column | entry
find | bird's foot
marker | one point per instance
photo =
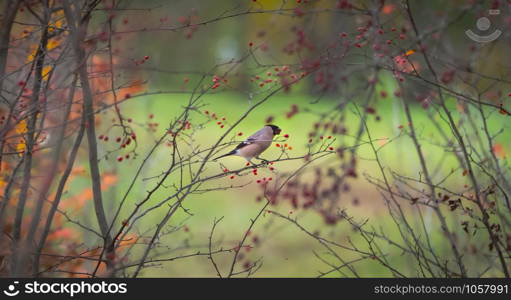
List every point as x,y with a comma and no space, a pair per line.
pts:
264,161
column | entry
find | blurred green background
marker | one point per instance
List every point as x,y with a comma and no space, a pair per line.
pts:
178,59
286,250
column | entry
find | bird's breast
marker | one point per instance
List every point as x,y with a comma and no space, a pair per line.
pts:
254,149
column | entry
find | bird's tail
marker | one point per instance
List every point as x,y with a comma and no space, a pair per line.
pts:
227,154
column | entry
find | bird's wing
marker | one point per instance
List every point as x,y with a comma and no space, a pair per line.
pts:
253,138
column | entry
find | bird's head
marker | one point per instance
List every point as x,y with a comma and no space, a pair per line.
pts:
276,130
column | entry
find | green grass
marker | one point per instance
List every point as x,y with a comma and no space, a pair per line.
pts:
286,250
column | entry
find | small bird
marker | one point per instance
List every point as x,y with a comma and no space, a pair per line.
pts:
255,144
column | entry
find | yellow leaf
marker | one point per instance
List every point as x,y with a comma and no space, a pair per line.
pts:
52,44
20,147
409,52
57,21
46,71
31,56
21,127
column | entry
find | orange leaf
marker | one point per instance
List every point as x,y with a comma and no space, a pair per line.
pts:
388,9
130,239
499,150
63,233
107,180
79,200
409,52
21,127
2,186
384,140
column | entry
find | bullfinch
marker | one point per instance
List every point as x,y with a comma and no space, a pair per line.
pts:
255,144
